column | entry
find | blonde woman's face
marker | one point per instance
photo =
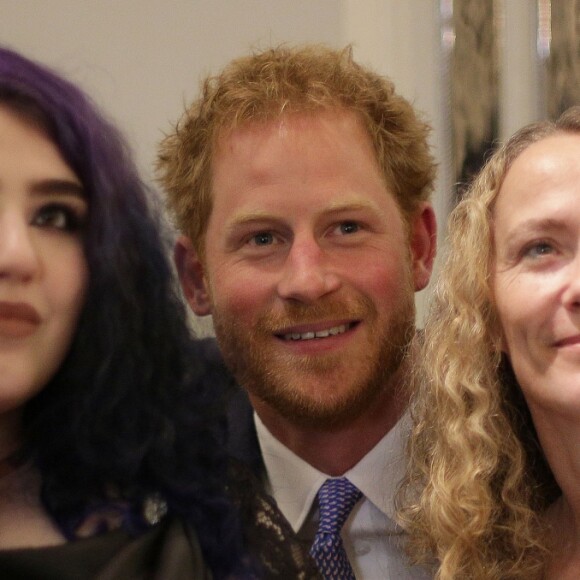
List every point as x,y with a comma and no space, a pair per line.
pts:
537,272
43,271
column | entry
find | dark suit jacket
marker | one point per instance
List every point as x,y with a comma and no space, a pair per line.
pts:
286,557
241,437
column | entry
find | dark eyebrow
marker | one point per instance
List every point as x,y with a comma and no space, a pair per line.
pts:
58,187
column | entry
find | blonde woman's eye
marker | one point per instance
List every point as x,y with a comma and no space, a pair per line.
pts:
539,249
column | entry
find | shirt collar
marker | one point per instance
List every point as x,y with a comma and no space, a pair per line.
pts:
379,473
294,483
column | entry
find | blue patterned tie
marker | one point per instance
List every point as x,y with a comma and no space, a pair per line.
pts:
336,498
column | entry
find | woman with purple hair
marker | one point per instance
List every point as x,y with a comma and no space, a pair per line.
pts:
110,457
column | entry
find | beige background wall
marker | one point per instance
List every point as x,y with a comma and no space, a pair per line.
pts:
142,59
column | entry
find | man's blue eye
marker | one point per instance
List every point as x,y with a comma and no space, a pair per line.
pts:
349,227
263,239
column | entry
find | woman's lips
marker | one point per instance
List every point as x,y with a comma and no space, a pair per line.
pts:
18,319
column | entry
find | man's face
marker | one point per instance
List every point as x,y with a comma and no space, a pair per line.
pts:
309,270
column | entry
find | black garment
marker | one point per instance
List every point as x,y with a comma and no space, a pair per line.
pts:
271,543
168,551
268,536
242,439
241,436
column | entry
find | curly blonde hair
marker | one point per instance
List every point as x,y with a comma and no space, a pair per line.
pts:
278,81
478,481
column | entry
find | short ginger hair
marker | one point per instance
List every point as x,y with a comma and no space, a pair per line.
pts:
277,81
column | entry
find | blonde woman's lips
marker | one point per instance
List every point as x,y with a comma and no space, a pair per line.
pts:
18,319
572,340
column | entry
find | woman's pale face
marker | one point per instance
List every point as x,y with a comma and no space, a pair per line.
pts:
43,272
537,272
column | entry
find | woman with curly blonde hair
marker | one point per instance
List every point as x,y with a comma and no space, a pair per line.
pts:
492,490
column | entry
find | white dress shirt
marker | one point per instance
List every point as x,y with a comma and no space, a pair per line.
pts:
371,538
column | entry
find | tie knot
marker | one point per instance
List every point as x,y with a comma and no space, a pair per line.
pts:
336,498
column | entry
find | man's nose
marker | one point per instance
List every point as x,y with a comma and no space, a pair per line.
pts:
308,273
18,252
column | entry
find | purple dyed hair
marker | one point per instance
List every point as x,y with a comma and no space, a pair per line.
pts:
130,406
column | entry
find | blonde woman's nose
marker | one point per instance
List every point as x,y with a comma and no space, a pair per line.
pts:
571,294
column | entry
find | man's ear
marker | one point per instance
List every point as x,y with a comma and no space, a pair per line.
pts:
192,276
423,240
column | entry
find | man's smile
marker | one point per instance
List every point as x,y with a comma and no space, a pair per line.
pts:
322,333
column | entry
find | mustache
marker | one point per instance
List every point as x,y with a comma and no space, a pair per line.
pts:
296,313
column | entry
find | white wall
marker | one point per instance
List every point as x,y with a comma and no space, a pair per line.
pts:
402,39
142,59
521,98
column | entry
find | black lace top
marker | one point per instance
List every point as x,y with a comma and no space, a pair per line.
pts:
268,536
169,549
